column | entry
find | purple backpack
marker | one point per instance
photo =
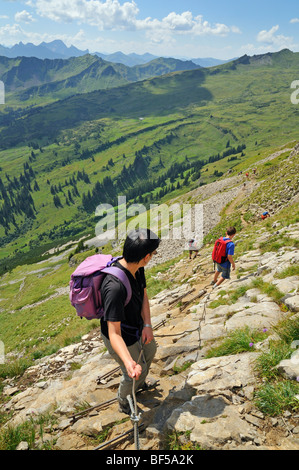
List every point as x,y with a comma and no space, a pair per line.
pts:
86,281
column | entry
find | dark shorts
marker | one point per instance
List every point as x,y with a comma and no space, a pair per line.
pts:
225,272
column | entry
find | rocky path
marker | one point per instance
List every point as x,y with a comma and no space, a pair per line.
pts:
205,401
214,197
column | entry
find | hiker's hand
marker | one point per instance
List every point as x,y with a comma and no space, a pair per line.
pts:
134,370
147,335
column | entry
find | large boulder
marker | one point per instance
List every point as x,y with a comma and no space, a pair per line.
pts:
212,422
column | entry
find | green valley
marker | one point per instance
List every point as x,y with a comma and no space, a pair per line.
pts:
151,140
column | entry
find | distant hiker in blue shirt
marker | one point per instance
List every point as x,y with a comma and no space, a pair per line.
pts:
265,215
224,267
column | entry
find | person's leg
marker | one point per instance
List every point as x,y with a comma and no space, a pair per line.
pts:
217,272
149,351
219,282
125,378
225,274
145,360
126,383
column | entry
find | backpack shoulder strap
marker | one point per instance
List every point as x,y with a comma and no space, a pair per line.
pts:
121,275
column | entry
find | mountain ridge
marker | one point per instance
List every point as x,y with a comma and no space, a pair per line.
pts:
53,50
113,98
23,73
58,50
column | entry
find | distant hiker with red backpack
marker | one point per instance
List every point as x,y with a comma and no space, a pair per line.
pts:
126,328
265,215
222,255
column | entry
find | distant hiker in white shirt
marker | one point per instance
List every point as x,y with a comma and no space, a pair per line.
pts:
192,245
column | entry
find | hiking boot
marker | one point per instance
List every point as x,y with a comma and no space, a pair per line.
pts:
124,408
213,283
148,384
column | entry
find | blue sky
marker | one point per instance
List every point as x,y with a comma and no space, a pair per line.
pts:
180,28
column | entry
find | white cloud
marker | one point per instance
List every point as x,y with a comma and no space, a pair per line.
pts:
203,28
272,39
111,15
267,36
106,15
9,34
183,22
252,49
23,16
236,30
114,15
294,20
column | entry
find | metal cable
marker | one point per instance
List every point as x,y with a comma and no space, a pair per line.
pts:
176,334
203,317
122,437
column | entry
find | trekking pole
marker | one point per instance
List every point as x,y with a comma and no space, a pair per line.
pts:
134,417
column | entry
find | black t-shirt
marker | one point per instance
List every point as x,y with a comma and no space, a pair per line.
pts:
114,295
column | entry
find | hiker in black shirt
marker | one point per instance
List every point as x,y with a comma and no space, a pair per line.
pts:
114,295
126,328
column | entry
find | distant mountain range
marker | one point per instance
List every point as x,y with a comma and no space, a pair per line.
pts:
52,50
29,80
58,50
